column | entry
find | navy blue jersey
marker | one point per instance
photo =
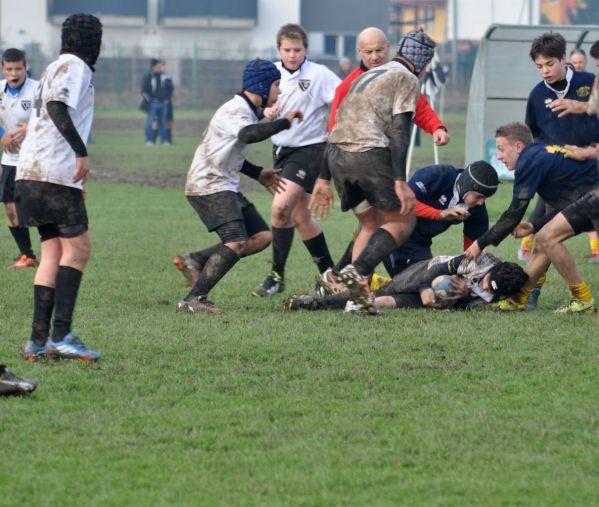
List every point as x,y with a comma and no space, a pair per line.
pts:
435,186
576,129
544,169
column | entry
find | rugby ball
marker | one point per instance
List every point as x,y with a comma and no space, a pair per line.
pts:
442,287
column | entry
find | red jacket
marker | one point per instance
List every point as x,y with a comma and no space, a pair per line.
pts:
425,117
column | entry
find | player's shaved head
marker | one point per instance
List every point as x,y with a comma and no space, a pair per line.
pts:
372,35
373,47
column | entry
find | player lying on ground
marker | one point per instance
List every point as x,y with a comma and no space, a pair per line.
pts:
475,283
445,196
212,186
568,186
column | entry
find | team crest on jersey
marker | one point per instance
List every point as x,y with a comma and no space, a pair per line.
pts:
25,104
443,200
304,84
583,91
548,102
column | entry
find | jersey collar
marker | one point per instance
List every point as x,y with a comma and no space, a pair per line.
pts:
296,70
562,93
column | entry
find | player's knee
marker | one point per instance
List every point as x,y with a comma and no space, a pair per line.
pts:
237,246
280,215
263,239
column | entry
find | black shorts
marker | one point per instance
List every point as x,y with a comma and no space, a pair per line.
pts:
300,165
229,209
363,176
583,214
7,183
41,203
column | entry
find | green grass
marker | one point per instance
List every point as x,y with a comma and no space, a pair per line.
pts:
262,407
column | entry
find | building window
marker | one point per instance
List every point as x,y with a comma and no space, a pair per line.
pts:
349,46
330,45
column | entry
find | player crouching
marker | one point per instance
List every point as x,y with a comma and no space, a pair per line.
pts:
212,186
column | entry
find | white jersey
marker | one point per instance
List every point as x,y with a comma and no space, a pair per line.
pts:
45,154
220,156
15,109
310,89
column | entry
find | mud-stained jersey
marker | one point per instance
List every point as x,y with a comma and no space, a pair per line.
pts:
366,113
311,89
15,109
220,156
45,153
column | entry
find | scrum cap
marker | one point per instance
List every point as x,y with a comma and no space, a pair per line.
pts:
258,76
417,47
478,177
82,36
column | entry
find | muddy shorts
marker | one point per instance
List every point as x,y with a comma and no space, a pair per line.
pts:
300,165
360,176
7,183
229,214
583,214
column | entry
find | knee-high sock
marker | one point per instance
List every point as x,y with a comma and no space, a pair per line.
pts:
379,246
319,250
202,256
68,280
23,240
43,306
345,258
282,239
217,266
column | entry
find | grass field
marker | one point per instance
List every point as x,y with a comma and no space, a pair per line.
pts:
262,407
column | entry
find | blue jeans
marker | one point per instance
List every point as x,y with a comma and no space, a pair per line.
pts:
158,111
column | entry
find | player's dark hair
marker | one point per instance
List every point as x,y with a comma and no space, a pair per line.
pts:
507,278
14,55
515,131
550,44
595,50
292,31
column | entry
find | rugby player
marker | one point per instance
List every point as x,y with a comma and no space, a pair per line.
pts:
52,168
212,186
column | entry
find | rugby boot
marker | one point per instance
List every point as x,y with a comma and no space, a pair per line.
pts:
10,384
577,306
358,286
272,284
24,262
70,347
533,298
199,304
189,268
328,283
33,352
356,309
593,258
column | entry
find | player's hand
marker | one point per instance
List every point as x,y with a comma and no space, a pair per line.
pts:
455,213
461,289
522,230
440,137
295,114
406,196
427,296
19,134
567,106
580,154
81,169
272,180
272,113
9,144
473,251
322,199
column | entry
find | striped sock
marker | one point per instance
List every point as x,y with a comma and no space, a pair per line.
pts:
522,297
541,281
527,243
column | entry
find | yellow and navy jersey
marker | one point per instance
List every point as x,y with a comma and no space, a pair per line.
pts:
546,170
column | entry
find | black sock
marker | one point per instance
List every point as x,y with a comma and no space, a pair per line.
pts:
317,246
154,135
202,256
169,135
379,246
43,305
345,258
217,266
68,280
23,241
282,239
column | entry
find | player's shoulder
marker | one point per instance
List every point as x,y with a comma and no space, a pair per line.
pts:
318,70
